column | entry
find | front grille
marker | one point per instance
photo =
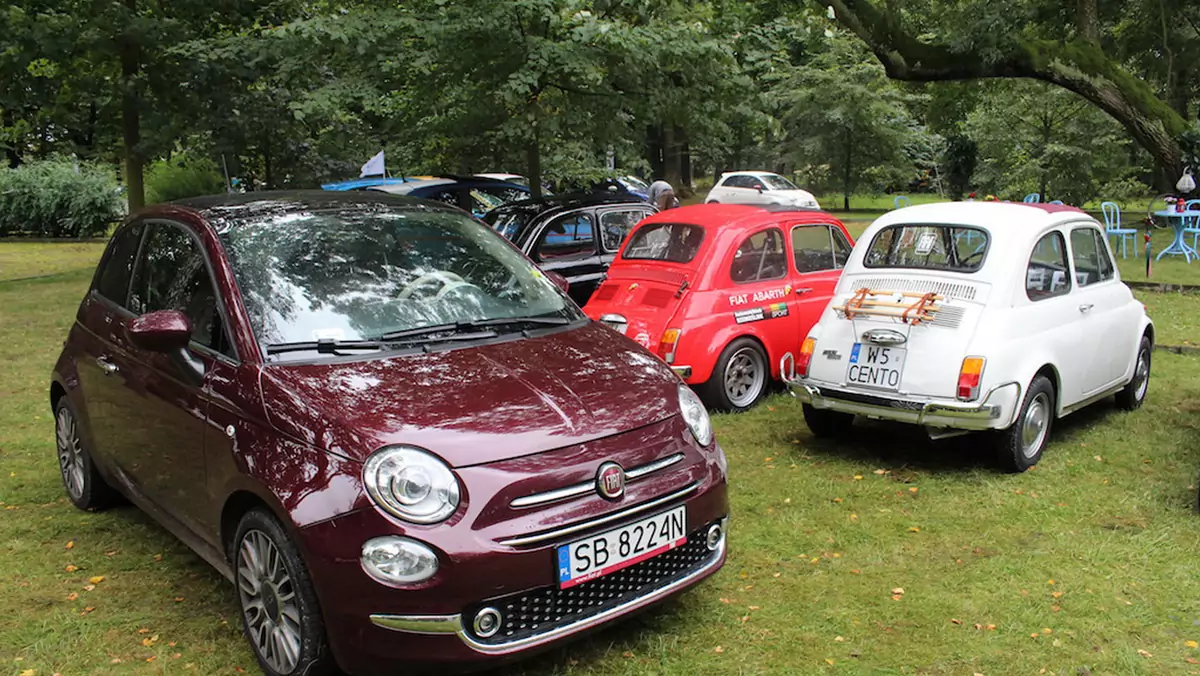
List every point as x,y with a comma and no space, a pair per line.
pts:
917,285
537,611
873,401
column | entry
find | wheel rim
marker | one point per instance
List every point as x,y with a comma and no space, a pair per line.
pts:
269,602
745,374
1034,424
1142,375
70,453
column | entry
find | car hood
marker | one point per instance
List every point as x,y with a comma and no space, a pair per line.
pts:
477,404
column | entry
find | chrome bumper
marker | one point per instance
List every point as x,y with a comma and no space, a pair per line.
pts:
996,412
684,372
454,624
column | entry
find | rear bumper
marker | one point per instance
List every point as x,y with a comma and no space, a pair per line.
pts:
996,411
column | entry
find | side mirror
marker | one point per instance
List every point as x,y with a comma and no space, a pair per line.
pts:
559,281
162,331
759,189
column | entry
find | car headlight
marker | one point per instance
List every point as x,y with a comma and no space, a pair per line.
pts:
398,560
695,415
411,484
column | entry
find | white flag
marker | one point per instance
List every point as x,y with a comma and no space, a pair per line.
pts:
373,167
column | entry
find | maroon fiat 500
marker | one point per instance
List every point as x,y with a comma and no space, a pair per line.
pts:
398,438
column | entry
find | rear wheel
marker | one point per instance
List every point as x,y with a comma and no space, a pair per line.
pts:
1132,396
827,424
740,377
85,487
1021,445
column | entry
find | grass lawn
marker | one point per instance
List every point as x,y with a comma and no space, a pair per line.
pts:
1085,564
20,259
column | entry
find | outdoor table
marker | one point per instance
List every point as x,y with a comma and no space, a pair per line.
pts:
1178,220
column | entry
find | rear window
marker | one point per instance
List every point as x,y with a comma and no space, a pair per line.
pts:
956,248
674,242
506,222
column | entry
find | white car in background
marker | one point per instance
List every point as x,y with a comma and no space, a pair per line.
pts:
975,316
759,187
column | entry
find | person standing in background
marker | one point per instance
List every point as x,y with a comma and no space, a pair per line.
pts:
662,195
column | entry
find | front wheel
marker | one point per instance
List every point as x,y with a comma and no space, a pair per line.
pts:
280,614
86,489
1021,445
1134,394
740,377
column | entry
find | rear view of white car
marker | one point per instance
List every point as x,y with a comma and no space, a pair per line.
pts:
974,316
759,187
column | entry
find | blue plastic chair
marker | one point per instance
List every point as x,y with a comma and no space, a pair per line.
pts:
1032,198
901,201
1192,226
1112,226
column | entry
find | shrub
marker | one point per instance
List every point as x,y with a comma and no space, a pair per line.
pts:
182,176
57,198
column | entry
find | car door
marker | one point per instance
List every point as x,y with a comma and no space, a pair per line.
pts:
1052,319
165,392
615,225
819,252
1099,300
567,244
761,292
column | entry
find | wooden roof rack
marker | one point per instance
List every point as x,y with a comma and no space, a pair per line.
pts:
912,308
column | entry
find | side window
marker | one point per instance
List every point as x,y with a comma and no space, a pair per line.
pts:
754,183
1087,256
566,237
615,227
448,196
1046,275
736,182
171,275
759,258
818,247
1107,266
117,268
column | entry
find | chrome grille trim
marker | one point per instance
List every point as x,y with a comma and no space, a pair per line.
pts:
585,525
917,285
585,487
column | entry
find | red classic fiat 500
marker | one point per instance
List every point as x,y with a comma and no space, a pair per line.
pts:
400,439
723,293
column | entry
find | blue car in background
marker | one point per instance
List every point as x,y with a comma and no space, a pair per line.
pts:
474,194
364,183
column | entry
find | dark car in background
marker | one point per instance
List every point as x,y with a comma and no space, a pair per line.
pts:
575,235
473,194
397,437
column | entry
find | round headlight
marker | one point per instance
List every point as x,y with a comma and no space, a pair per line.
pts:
411,484
398,560
695,415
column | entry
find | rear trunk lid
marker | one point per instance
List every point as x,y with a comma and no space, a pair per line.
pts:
888,345
639,301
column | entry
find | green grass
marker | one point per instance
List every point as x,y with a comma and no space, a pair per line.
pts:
20,259
816,551
1176,316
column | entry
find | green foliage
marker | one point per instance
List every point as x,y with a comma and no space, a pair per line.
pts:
182,176
54,198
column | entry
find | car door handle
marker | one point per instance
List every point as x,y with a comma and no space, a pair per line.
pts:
803,290
107,366
1085,308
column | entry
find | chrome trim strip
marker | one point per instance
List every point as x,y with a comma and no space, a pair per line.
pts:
585,487
453,624
970,418
585,525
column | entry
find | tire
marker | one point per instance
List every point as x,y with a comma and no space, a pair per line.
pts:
712,202
86,489
1133,395
826,424
1021,445
281,617
739,379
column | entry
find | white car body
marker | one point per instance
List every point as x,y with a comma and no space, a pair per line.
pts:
759,187
508,178
1083,332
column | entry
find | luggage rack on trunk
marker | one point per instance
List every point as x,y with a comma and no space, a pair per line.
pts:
896,305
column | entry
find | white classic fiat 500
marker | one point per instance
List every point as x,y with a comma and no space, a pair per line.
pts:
975,316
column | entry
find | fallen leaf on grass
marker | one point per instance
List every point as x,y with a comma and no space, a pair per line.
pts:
1143,653
837,500
754,607
112,553
990,627
1049,581
150,641
626,654
1057,594
1047,630
718,649
152,658
1098,458
178,599
158,557
858,477
143,630
723,600
71,568
745,618
898,590
912,490
1191,660
1055,609
881,471
954,621
28,672
72,596
70,544
89,587
768,459
829,661
96,580
115,660
839,639
1191,644
914,529
87,610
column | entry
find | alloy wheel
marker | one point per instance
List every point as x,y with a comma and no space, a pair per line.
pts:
269,602
1142,375
70,452
745,375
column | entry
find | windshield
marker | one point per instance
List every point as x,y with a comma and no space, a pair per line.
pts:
956,248
675,242
364,271
507,222
634,183
776,182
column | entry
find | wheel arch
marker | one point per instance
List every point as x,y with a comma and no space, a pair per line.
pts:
1051,373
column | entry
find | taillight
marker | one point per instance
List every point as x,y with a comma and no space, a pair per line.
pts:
666,346
968,378
805,358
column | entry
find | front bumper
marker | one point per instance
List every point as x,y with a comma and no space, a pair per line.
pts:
996,411
684,372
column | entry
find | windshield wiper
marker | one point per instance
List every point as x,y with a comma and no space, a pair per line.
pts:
325,346
473,325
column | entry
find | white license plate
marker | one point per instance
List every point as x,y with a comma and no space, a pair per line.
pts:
619,548
875,366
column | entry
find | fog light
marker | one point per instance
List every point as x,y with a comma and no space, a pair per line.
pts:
396,560
714,537
487,622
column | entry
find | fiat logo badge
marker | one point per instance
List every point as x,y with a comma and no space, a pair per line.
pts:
610,480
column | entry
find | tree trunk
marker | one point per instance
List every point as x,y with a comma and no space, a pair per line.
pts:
11,152
268,167
654,152
1086,20
130,122
672,162
685,188
1078,65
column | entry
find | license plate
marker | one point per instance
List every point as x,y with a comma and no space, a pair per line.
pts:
619,548
876,366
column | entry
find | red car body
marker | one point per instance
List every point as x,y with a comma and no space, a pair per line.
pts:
199,437
692,312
